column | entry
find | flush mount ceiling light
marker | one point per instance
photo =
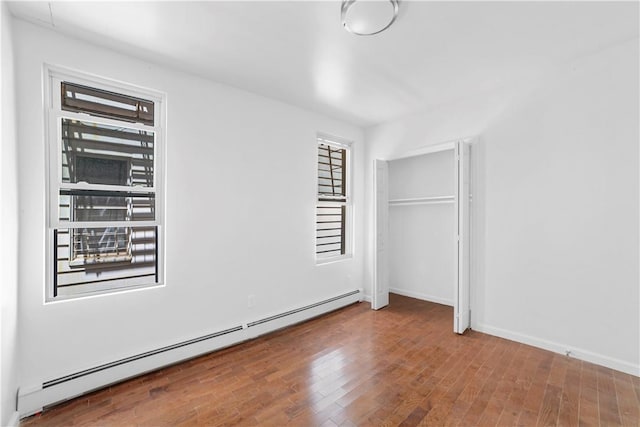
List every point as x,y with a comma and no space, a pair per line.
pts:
368,17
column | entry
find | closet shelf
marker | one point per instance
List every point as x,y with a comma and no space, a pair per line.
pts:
422,201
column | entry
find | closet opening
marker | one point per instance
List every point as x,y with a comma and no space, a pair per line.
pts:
422,228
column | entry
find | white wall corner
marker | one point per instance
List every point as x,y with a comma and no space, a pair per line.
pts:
14,421
577,353
28,401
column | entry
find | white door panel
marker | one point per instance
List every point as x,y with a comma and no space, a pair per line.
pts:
462,315
380,296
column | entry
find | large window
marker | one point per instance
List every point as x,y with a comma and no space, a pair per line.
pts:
333,200
105,185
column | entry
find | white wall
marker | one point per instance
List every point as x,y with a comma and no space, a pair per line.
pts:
422,251
240,215
8,227
556,252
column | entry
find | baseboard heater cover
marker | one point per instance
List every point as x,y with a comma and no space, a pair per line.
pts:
137,357
32,400
298,310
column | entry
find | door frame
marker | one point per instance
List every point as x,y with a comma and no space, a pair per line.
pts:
462,235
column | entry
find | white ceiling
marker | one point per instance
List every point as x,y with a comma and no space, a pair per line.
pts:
435,53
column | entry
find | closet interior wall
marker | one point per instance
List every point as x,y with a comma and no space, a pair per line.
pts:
422,225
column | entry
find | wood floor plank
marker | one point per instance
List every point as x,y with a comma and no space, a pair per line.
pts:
548,414
398,366
480,401
628,406
569,405
607,399
589,412
520,383
505,386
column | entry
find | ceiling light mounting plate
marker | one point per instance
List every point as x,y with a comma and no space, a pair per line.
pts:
368,17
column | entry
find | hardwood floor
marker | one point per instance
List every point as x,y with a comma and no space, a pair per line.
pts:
402,365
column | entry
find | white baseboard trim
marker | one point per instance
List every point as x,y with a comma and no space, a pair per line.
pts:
578,353
33,398
14,421
422,296
367,298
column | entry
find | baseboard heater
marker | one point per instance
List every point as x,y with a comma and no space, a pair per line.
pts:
33,399
66,378
298,310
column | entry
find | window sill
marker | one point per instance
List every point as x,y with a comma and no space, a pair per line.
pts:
334,260
102,293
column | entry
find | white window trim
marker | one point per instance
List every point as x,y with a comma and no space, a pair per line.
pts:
53,76
339,142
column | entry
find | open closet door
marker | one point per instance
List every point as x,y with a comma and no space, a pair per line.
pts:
462,308
380,292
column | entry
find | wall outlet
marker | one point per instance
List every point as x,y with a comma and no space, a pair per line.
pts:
251,301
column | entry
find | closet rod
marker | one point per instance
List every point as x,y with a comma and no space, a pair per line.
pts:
422,201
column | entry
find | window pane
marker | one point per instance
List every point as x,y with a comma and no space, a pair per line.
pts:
101,170
102,154
96,245
98,259
102,103
330,230
94,205
331,171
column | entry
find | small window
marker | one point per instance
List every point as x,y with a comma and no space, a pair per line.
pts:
333,202
105,184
